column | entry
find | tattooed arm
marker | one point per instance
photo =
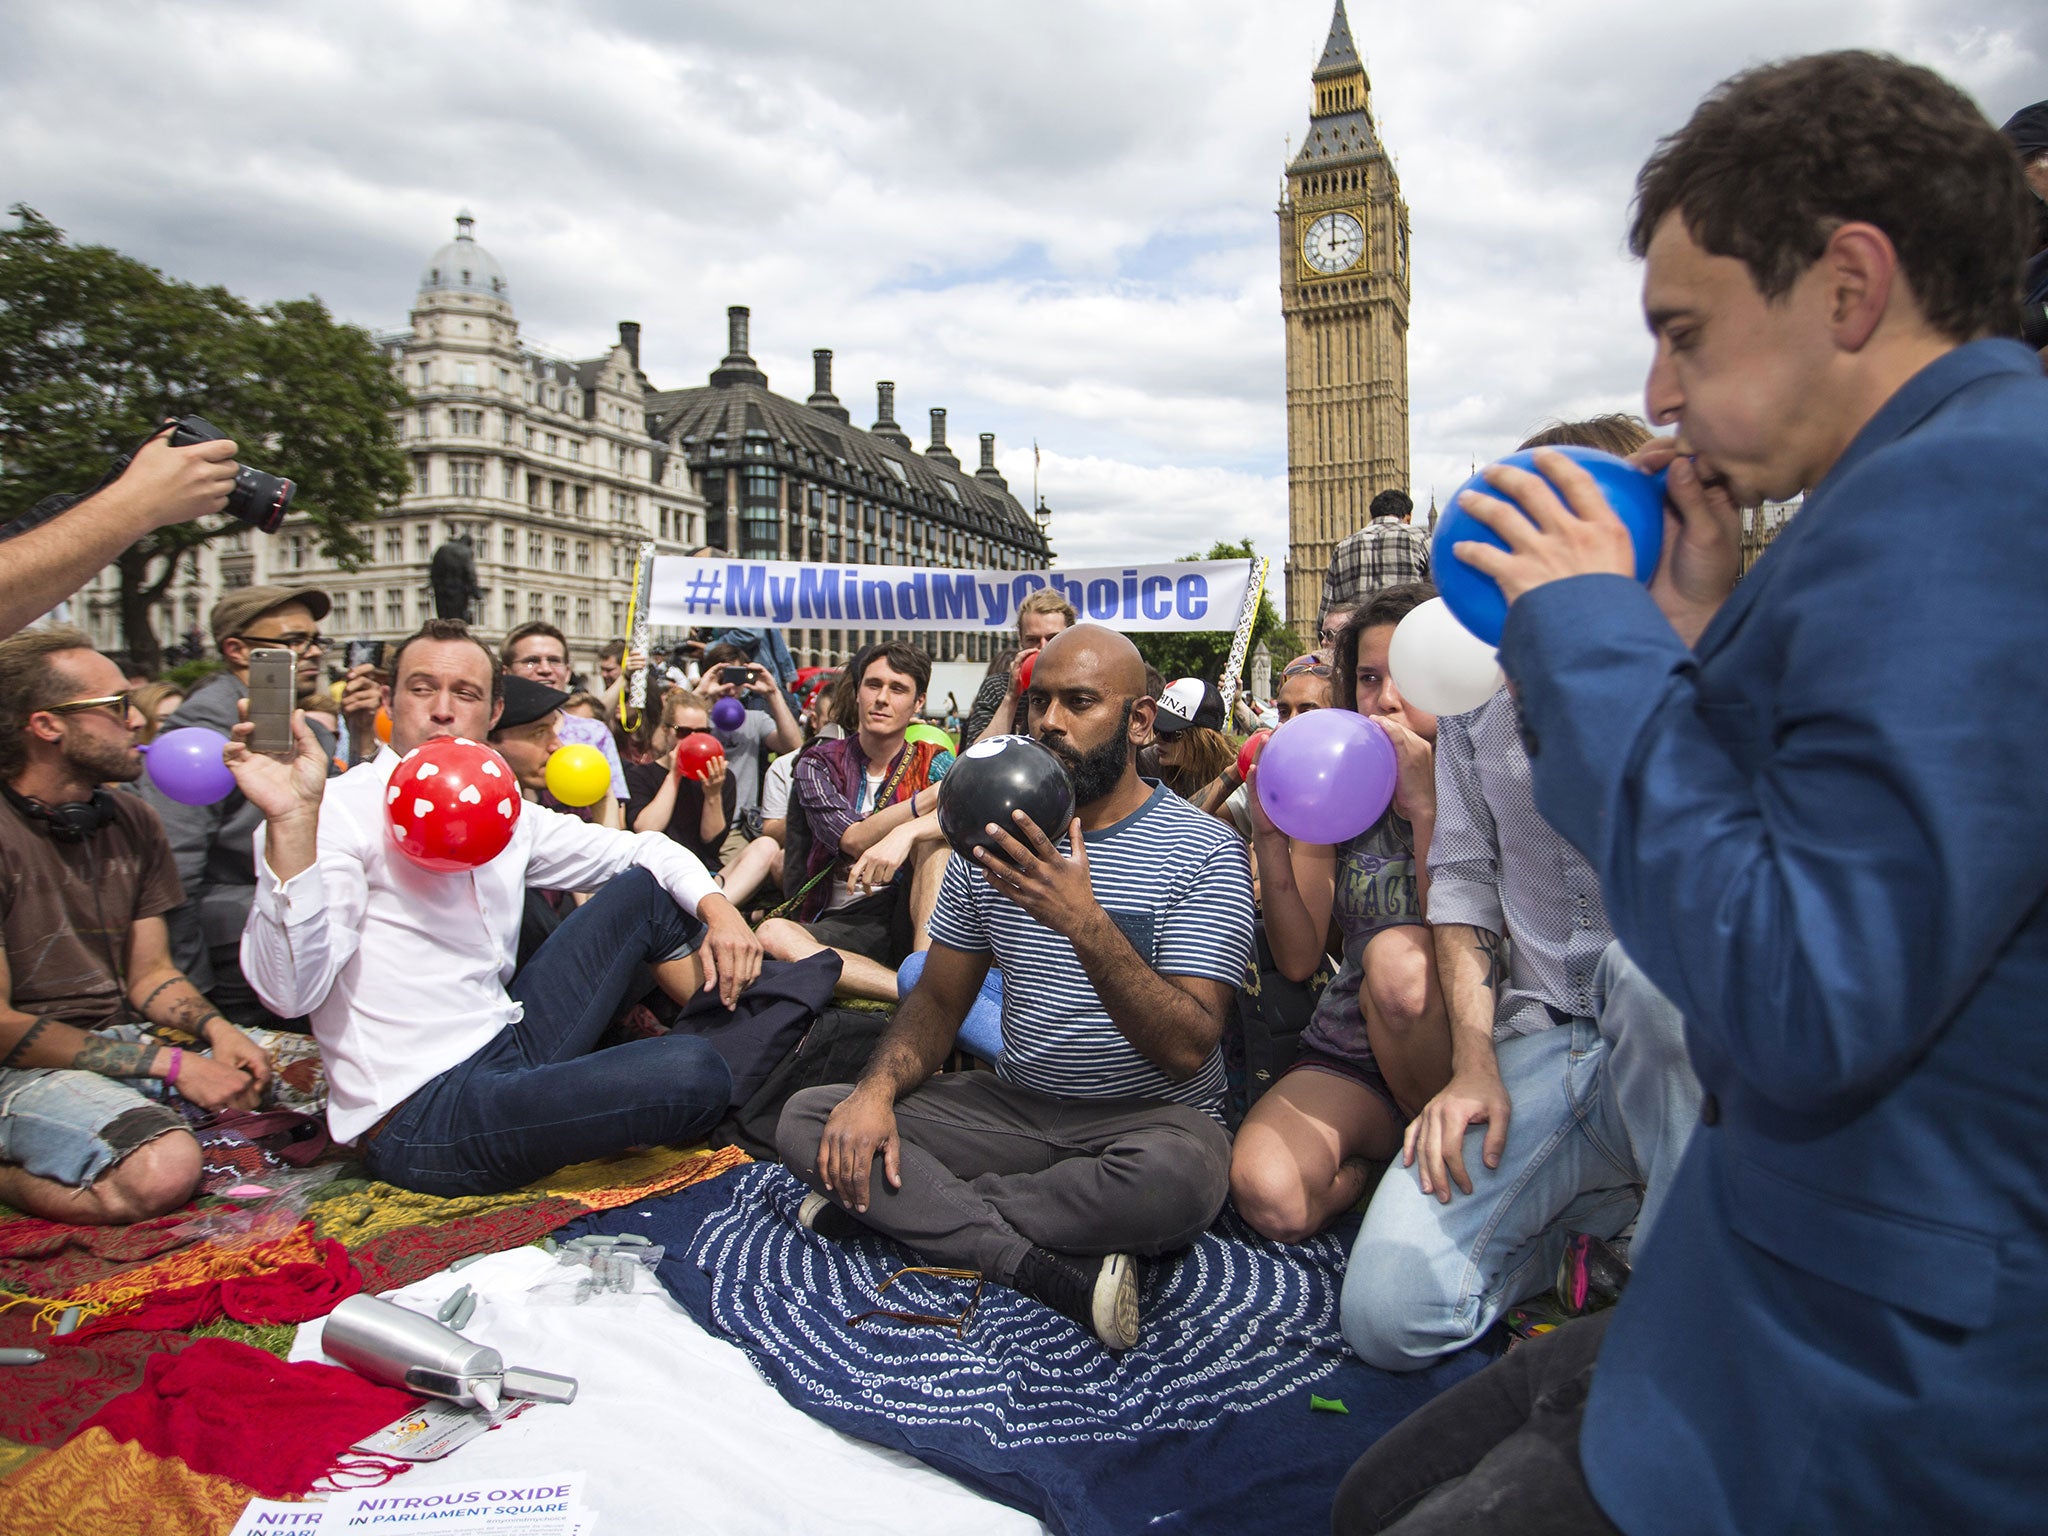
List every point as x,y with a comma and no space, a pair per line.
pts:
1472,964
29,1039
37,1040
239,1070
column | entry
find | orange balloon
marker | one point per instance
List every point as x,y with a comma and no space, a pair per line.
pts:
383,725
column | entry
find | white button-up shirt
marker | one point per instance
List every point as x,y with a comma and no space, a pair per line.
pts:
402,969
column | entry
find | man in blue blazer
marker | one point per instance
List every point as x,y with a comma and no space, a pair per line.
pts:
1815,804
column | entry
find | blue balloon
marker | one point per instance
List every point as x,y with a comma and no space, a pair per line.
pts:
728,713
1474,599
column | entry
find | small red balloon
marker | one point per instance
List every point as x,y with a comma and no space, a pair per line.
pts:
1249,752
1024,670
694,752
452,804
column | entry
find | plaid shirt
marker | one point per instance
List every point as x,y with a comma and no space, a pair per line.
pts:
1384,553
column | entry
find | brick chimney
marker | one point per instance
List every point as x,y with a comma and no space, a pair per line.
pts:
739,366
938,449
988,471
885,415
822,399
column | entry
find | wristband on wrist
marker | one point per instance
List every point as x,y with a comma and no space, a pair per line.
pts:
177,1061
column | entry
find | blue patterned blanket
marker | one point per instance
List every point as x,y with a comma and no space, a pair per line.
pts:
1205,1426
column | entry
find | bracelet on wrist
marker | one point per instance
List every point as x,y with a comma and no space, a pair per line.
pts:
176,1066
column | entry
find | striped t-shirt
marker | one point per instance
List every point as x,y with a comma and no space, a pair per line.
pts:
1178,885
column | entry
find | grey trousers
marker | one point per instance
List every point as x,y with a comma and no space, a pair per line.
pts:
991,1170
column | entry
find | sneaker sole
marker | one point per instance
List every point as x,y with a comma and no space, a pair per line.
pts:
1116,1302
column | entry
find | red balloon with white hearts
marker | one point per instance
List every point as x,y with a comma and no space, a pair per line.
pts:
451,804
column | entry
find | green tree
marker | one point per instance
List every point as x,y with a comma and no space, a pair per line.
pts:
1201,653
96,348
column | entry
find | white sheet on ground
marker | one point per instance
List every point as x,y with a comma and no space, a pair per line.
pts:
670,1421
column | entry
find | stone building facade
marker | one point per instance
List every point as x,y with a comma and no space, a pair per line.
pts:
557,469
1344,300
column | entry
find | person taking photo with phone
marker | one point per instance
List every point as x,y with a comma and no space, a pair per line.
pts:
211,842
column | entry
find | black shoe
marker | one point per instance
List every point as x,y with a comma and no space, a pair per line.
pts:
1590,1275
1099,1294
819,1214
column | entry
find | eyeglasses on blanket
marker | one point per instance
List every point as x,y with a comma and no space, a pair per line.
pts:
926,1319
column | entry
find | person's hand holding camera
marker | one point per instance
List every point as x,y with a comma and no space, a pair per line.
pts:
175,485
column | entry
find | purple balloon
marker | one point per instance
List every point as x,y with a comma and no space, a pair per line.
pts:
186,765
728,714
1327,775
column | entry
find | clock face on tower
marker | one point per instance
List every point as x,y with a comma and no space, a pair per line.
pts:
1333,243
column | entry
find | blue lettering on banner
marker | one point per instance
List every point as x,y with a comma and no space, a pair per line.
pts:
745,590
686,590
910,599
952,596
1153,604
818,594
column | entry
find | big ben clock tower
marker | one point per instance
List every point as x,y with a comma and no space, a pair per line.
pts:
1344,297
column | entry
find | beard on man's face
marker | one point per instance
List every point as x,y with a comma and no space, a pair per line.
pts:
101,759
1096,773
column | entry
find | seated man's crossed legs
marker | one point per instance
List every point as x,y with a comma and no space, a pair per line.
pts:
541,1095
1019,1185
1600,1110
82,1148
1306,1151
873,934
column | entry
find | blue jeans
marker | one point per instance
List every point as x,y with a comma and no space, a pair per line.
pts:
539,1097
1601,1110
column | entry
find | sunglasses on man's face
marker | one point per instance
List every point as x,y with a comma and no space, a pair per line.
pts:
117,702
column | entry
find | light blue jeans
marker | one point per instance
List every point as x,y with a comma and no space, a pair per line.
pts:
1601,1110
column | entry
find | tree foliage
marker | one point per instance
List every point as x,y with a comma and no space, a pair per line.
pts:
1202,653
97,348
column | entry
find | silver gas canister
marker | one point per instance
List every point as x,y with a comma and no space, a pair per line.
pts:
401,1348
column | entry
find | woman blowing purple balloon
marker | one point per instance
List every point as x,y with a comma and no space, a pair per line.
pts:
1379,1045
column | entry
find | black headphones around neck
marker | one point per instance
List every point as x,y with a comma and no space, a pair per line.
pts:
72,822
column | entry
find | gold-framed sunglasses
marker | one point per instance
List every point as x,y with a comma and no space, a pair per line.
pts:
117,702
927,1319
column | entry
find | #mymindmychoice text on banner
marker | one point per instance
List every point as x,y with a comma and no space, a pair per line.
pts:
790,594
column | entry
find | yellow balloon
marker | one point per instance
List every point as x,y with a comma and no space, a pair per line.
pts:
578,775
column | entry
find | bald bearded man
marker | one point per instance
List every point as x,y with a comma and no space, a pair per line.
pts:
1122,939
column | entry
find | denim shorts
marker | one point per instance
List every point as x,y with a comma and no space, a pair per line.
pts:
71,1127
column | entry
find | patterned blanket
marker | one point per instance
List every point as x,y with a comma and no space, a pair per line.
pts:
1209,1424
392,1237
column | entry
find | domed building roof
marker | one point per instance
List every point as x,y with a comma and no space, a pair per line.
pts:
463,266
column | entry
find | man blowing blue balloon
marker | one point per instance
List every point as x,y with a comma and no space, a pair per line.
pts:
1813,800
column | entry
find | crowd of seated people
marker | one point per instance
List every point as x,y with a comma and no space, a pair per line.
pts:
1488,1082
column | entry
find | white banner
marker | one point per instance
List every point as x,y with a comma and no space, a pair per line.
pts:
789,594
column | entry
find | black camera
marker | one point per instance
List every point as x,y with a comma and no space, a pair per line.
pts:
258,499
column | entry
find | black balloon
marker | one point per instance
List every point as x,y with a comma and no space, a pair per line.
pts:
999,775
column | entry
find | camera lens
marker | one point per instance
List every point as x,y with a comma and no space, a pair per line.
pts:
259,499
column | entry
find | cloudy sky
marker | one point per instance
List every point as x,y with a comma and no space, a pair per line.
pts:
1054,218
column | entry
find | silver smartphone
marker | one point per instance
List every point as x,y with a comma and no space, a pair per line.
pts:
273,690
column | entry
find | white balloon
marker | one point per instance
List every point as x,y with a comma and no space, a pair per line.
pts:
1439,665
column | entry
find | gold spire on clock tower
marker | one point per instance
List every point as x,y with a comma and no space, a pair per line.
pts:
1344,299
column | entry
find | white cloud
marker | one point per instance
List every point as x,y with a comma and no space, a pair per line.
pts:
1056,220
